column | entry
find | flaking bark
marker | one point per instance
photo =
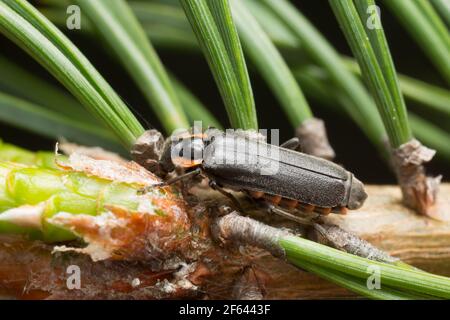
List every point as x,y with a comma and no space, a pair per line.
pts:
313,139
238,230
147,150
419,190
383,221
340,239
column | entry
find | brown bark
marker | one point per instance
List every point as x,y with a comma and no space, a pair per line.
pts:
314,140
28,268
387,224
419,190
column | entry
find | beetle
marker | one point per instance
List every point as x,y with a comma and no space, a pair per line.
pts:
280,175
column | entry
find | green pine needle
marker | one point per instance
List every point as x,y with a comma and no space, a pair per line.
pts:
443,7
357,285
221,11
317,86
319,50
119,27
37,119
218,39
37,90
195,110
24,25
427,95
422,24
271,65
406,280
377,67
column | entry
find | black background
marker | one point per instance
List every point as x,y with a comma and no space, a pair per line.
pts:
354,151
326,309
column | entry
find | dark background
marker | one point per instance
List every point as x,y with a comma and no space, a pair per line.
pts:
354,151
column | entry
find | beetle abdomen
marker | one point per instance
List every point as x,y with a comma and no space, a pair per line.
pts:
294,204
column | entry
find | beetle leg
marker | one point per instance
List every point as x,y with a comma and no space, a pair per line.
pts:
213,184
285,214
291,144
170,181
308,211
275,200
179,178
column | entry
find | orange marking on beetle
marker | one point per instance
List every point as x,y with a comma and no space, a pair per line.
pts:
257,194
324,211
289,203
306,207
273,199
189,135
295,204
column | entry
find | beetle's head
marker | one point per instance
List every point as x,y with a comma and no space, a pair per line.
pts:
188,152
357,195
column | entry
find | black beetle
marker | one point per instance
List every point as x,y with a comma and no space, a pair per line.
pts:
278,174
